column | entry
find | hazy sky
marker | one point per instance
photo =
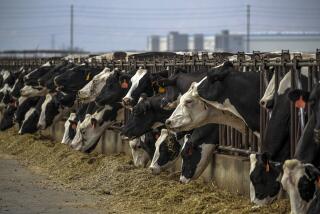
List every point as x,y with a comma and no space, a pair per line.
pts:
103,25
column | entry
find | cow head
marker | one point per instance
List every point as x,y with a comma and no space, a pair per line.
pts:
30,122
15,92
265,177
300,181
300,97
65,99
140,83
147,114
89,92
116,86
5,97
192,112
8,117
139,155
166,153
32,77
49,110
197,151
24,105
75,78
33,91
70,127
93,126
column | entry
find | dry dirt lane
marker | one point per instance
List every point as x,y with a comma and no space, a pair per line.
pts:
21,191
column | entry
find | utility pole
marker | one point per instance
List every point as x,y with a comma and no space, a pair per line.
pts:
71,29
53,41
248,28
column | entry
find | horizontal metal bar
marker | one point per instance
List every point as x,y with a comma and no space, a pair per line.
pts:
231,149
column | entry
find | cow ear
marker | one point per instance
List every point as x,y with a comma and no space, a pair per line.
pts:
180,70
295,95
227,64
312,172
218,74
164,82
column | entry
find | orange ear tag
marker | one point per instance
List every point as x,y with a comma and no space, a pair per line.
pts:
267,167
124,85
161,90
73,125
318,181
300,103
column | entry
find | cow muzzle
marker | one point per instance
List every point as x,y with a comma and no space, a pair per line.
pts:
127,102
41,126
155,170
184,180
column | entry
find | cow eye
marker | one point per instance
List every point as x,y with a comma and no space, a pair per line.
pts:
188,102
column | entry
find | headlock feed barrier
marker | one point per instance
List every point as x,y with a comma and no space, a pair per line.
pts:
230,140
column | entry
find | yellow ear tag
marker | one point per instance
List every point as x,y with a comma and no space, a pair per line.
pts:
88,76
161,90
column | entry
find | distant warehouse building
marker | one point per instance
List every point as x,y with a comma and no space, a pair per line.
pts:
225,41
177,41
229,42
153,43
304,41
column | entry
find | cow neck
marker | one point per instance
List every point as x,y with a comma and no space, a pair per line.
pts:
225,116
307,149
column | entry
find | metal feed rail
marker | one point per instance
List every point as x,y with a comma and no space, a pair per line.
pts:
230,140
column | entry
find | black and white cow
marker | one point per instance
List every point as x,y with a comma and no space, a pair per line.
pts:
7,120
224,96
51,111
142,82
168,147
24,105
8,80
143,148
116,86
31,85
47,80
72,122
301,181
18,85
265,184
146,115
94,125
74,79
300,175
92,89
29,124
197,151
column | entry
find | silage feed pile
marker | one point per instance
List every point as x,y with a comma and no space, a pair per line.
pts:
122,187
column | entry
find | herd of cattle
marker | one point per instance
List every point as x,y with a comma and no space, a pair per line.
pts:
175,116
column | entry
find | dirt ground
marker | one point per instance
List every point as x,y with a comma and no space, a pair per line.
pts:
111,184
24,192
